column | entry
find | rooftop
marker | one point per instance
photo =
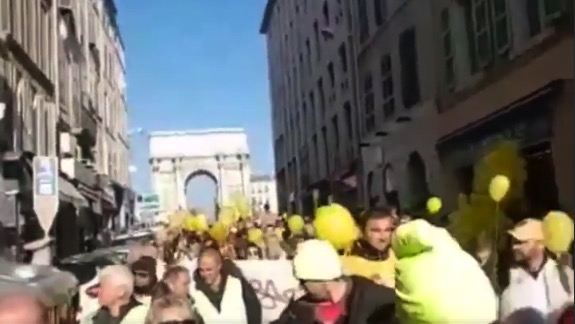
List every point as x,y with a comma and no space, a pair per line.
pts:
268,11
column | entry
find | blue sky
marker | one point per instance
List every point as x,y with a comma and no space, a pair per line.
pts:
195,64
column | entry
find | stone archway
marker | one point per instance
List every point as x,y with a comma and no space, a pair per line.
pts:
203,173
417,181
176,157
389,187
372,197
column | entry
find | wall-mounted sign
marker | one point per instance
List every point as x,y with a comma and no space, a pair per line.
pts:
46,190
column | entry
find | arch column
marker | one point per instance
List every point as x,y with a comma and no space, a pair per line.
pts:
180,185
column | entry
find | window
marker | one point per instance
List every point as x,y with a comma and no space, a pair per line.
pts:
316,40
449,72
305,119
325,11
363,21
410,91
348,120
331,74
335,127
380,11
540,13
308,54
388,97
490,27
316,153
324,138
342,52
321,95
368,101
312,109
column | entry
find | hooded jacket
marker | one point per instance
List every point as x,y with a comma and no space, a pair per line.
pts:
365,303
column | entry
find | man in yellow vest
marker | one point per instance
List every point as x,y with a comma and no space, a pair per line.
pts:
371,255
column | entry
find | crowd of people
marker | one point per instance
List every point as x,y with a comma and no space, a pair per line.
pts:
364,283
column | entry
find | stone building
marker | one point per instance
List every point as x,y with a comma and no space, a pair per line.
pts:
430,111
263,193
62,95
314,112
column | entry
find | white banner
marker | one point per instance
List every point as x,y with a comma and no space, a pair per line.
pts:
272,280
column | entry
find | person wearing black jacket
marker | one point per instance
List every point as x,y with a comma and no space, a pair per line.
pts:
330,296
221,294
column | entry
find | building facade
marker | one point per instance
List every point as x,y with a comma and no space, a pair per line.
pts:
430,111
63,96
263,193
397,87
314,120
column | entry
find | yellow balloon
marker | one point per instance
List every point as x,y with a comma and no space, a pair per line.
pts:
219,232
295,224
201,223
255,235
558,230
434,205
335,224
498,187
227,216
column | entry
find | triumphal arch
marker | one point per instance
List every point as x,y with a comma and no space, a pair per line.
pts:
176,157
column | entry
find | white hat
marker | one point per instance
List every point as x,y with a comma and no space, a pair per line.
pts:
317,260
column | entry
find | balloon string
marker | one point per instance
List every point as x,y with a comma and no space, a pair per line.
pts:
496,249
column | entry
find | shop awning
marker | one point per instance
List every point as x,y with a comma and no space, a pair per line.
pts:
70,194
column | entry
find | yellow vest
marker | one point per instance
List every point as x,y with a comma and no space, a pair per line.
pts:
376,270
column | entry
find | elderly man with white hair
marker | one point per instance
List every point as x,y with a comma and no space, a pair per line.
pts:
115,296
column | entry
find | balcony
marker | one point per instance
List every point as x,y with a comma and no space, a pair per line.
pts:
86,122
82,171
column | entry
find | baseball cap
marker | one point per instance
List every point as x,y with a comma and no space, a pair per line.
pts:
529,229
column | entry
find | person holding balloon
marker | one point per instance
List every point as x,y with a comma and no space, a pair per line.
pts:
538,281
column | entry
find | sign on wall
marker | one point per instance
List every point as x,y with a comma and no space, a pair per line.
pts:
46,190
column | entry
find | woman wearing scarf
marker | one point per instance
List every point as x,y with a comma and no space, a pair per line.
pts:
371,256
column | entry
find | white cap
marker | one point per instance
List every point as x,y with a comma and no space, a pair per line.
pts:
317,260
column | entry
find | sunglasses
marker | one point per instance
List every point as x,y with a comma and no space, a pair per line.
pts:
187,321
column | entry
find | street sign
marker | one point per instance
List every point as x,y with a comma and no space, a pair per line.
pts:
46,190
150,202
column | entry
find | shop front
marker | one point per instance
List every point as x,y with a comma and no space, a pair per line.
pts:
530,122
125,200
529,101
316,195
108,202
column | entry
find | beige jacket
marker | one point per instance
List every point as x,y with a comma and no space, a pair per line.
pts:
519,294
